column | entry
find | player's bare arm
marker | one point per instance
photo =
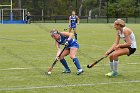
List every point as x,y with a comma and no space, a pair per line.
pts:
127,33
78,19
114,45
70,35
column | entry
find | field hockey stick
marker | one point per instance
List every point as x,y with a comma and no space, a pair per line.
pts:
93,64
53,64
69,27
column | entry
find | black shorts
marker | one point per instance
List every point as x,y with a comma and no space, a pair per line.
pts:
131,50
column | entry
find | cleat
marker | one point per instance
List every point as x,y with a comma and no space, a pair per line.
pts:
112,74
108,74
80,71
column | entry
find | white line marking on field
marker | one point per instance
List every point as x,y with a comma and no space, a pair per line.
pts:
133,63
18,68
66,85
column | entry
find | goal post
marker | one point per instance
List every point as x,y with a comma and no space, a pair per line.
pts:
10,15
1,16
16,16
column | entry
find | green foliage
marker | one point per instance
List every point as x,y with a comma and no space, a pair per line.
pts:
122,8
118,8
90,4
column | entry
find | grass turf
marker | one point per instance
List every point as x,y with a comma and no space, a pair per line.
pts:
27,51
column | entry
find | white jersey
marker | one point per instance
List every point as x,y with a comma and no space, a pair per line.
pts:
132,38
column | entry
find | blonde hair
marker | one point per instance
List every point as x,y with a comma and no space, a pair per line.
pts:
54,31
120,22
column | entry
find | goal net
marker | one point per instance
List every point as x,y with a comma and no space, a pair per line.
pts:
12,16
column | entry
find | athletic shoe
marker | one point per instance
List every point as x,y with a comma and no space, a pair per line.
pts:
108,74
66,71
80,71
112,74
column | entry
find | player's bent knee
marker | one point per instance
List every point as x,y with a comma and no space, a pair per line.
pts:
72,56
115,56
111,57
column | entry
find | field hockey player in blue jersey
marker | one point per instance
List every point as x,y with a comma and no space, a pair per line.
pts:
65,38
73,21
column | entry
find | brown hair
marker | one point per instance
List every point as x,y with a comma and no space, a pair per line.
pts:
120,22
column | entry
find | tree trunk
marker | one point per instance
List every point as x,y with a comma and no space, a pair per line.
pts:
80,10
81,7
19,5
89,14
100,2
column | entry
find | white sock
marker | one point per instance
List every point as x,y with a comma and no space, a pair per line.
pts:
111,65
115,65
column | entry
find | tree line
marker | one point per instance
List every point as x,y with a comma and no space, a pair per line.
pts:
111,8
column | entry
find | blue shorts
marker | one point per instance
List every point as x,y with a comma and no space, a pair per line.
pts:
72,26
73,45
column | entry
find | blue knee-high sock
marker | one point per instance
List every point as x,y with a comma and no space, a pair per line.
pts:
64,63
76,62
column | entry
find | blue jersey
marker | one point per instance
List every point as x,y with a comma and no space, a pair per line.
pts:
72,42
73,20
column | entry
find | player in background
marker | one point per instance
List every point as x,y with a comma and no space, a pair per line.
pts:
73,21
128,48
65,38
28,18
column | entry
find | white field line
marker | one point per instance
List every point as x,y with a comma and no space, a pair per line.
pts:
66,85
18,68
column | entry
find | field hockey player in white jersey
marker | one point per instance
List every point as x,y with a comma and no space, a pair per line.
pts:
128,48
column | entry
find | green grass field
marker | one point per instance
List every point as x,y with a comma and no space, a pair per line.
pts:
27,51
